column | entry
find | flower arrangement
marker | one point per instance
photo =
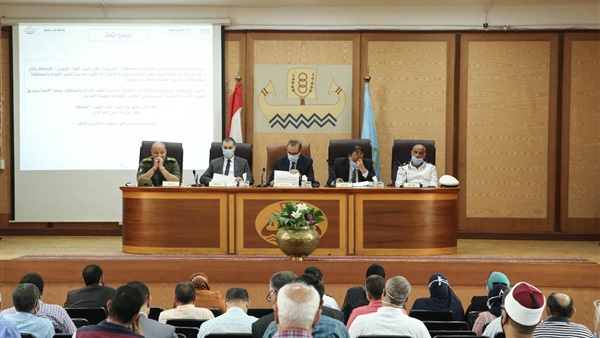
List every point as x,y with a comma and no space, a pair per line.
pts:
296,215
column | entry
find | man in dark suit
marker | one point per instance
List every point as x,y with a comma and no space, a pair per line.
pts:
228,165
94,294
354,168
151,328
294,162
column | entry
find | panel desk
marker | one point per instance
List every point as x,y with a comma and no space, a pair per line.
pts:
359,221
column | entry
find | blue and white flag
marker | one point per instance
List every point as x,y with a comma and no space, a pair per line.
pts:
369,131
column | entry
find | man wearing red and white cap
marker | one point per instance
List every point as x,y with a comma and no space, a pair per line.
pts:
523,308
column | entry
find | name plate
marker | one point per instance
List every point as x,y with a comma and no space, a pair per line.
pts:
170,184
343,184
284,185
217,184
411,185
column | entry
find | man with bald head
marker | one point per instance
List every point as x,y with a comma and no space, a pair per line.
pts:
417,170
560,309
155,169
296,311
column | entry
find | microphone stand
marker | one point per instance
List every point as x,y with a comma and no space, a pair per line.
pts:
262,179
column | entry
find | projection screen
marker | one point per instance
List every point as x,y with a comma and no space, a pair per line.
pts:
87,94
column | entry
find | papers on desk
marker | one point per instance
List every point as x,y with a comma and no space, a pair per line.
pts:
363,184
228,180
286,179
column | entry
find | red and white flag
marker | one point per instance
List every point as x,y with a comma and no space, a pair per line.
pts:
234,118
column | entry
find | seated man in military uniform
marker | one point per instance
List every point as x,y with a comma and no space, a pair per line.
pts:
158,167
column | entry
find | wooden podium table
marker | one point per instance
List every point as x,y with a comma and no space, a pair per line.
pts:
359,221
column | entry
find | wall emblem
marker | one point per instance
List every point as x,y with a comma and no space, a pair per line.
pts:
301,86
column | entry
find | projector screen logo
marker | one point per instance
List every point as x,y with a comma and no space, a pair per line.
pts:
301,85
29,30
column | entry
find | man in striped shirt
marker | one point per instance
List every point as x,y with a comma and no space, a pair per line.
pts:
560,309
55,313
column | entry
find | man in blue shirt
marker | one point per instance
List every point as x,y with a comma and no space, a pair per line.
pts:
26,298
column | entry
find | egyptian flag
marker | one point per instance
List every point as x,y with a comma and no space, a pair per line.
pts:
234,118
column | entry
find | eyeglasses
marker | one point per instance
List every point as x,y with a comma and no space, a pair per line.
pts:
269,295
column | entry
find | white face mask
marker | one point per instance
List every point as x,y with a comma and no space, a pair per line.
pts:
227,153
417,161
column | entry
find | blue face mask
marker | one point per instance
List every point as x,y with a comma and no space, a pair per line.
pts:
417,161
353,165
228,154
293,158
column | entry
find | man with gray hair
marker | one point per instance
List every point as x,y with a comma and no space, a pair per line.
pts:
390,319
278,280
26,298
297,310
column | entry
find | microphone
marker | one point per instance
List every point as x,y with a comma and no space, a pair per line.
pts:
401,166
195,179
332,184
262,179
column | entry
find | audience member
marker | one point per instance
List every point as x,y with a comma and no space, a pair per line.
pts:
353,168
479,303
228,165
417,170
494,302
355,296
205,297
327,299
560,309
389,318
326,326
155,169
277,281
374,289
123,317
94,294
235,320
55,313
151,328
185,296
523,308
26,298
441,298
297,311
294,162
8,329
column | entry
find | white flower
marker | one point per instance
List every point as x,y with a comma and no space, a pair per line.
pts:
296,214
301,207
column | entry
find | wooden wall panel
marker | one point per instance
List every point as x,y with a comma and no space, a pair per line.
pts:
301,49
580,199
5,94
411,91
508,112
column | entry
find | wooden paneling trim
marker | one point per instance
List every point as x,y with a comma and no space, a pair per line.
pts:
510,224
567,223
58,229
543,236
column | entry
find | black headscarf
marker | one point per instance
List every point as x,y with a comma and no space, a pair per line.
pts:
495,299
441,298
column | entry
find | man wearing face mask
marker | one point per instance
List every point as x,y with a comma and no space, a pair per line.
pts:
155,169
417,170
294,162
228,165
354,168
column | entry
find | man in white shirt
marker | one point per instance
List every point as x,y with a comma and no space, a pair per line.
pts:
235,320
417,170
185,296
390,319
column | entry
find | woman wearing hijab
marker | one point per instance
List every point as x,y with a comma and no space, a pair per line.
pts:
493,303
204,296
441,298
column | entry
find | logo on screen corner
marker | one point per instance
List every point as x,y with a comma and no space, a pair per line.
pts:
29,30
